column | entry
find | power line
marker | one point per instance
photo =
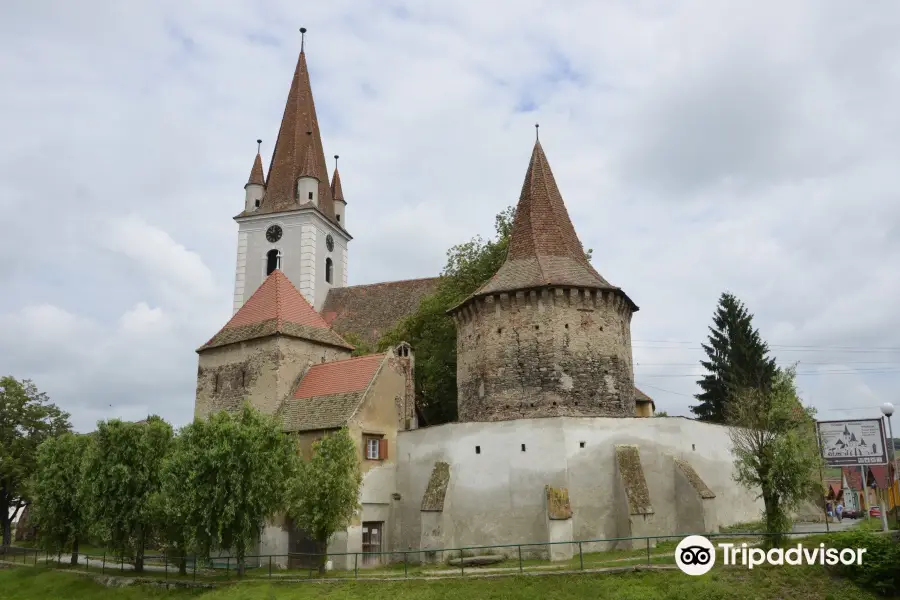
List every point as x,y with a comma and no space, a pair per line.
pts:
814,346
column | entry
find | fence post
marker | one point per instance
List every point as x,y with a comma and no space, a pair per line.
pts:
355,565
227,566
405,566
648,552
520,559
122,565
270,566
195,567
103,564
580,556
462,565
166,565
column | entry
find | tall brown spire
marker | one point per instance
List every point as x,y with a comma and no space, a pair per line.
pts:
256,173
298,148
544,249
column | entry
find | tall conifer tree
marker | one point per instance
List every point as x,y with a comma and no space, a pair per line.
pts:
737,359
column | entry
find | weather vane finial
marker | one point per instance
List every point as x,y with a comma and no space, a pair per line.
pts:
537,136
302,37
335,161
258,146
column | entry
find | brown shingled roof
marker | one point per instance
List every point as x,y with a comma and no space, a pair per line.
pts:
330,393
256,173
640,396
544,249
298,138
369,311
276,307
336,192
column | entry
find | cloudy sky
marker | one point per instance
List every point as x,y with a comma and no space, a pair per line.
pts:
700,147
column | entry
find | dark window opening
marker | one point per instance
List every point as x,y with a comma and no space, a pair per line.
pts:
216,382
567,325
338,218
693,446
257,204
581,444
499,330
477,449
329,267
310,195
243,377
273,261
536,327
523,447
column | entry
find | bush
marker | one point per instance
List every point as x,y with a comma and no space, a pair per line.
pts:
880,568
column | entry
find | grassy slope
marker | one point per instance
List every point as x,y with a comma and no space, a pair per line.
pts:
797,583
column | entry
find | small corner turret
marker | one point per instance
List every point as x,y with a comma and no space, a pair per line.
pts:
255,188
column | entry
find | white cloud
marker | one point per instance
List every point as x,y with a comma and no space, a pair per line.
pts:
747,146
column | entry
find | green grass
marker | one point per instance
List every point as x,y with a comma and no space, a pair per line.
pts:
797,583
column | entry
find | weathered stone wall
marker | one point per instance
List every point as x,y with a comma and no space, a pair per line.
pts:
545,353
263,371
500,470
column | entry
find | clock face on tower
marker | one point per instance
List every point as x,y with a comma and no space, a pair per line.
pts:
273,233
329,242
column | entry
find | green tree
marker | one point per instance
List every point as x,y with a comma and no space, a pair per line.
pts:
326,494
661,413
27,418
58,508
361,347
121,479
774,440
737,358
224,477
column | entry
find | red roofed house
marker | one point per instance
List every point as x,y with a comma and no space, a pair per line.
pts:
545,378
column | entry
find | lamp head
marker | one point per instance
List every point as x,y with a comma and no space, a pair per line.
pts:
887,409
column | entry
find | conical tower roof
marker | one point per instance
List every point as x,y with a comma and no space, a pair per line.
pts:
544,250
256,172
336,192
298,151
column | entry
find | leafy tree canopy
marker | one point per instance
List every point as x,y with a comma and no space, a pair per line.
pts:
59,511
776,450
27,418
737,359
326,495
121,480
225,476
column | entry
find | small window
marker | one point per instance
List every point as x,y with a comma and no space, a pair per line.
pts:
523,447
693,446
477,449
216,382
243,377
273,261
375,447
310,195
338,218
257,203
329,267
581,444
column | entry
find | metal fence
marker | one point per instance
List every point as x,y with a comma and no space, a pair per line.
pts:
575,555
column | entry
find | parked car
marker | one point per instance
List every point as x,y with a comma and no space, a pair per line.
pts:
875,511
852,514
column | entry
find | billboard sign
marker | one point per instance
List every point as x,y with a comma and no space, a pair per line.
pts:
852,443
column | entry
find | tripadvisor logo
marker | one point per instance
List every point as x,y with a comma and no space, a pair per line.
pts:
696,555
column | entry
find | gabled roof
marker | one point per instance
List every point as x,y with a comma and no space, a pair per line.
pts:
298,140
640,396
256,172
369,311
276,308
330,393
544,249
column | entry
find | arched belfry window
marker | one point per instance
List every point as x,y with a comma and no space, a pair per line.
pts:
273,261
329,270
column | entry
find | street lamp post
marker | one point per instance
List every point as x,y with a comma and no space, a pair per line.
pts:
887,409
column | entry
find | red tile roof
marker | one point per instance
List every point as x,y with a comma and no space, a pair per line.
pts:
276,307
853,477
544,249
880,475
339,377
298,140
256,173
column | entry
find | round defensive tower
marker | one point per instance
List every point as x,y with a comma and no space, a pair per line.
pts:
546,335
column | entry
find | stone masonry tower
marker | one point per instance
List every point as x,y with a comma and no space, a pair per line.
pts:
293,219
546,335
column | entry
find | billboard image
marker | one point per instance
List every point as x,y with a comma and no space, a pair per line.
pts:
852,443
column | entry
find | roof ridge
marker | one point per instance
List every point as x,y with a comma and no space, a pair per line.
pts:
346,287
365,392
344,360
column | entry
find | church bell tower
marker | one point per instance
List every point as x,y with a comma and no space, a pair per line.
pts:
293,218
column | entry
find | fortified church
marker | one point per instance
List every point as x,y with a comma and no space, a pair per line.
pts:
550,444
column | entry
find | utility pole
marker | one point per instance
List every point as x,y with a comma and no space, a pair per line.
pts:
887,409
